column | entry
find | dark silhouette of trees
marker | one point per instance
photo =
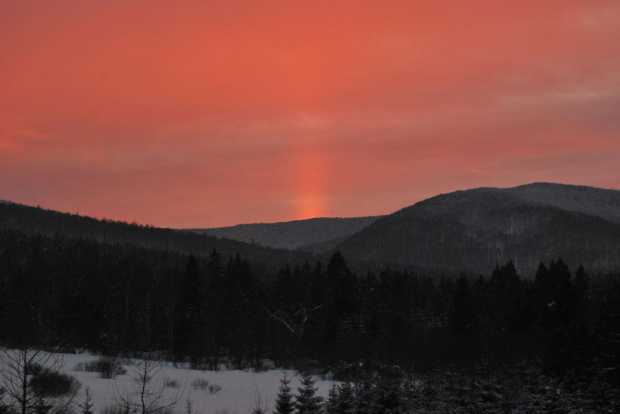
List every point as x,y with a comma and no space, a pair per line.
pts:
306,402
284,400
462,319
189,313
608,348
341,399
116,299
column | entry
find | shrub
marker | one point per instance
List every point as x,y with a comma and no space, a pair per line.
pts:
199,383
107,367
214,389
170,383
110,367
32,368
49,383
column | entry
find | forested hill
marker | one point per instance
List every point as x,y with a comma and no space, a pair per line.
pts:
317,234
34,220
465,231
476,229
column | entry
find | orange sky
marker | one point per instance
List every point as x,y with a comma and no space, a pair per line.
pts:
213,113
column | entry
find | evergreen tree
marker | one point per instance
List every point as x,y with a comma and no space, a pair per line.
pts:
609,340
461,318
505,298
582,293
87,406
365,397
188,314
306,402
284,401
341,400
331,405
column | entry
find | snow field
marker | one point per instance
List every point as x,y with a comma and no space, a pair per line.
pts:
238,394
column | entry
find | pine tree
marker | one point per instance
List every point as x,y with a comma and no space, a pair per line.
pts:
461,317
331,405
306,402
366,398
87,405
284,401
341,400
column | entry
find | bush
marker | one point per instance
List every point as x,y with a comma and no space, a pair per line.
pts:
214,389
170,383
107,367
110,367
199,383
50,383
32,368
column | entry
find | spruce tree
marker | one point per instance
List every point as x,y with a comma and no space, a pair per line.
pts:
331,405
284,402
365,400
87,405
341,400
306,402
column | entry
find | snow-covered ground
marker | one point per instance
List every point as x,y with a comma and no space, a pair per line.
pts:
238,394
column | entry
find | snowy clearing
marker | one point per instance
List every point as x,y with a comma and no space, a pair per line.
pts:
232,392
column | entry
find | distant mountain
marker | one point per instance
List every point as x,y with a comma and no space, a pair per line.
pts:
34,220
470,231
476,229
318,234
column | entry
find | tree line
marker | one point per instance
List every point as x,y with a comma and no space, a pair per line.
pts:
66,293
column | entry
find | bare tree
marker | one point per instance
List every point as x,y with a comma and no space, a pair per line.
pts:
147,394
294,322
32,381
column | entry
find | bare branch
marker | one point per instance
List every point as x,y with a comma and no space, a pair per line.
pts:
147,396
20,367
294,322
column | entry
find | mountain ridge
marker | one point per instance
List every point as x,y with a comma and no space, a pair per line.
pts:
468,231
474,230
39,221
313,234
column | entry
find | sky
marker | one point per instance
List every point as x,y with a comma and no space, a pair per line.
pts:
191,114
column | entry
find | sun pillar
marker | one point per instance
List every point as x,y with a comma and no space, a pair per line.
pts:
312,183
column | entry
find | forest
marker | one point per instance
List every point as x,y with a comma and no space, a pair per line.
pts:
62,294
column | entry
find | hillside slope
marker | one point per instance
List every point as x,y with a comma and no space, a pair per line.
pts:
311,234
34,220
476,229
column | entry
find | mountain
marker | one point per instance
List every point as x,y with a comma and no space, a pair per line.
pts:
318,234
465,231
474,230
34,220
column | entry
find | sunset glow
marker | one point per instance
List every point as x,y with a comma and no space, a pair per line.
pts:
213,113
